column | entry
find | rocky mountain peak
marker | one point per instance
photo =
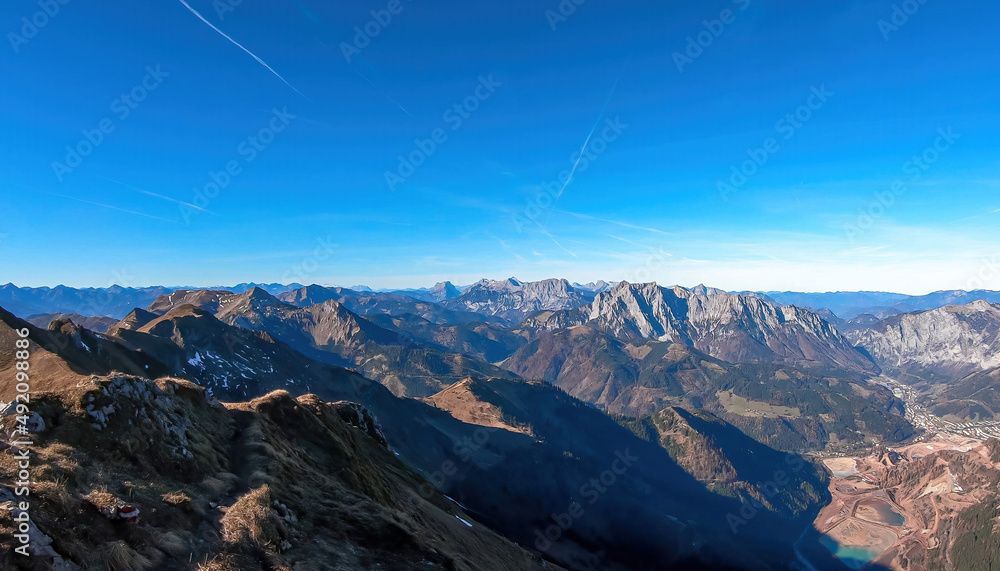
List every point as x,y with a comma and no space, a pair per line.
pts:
983,305
953,341
133,321
444,290
513,300
259,294
727,326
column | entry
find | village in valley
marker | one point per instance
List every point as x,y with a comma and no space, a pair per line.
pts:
924,420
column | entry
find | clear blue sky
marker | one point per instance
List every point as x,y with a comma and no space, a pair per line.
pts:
320,185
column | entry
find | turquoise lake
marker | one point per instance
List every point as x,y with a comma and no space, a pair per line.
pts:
853,557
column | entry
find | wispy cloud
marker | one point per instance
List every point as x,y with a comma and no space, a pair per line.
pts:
237,44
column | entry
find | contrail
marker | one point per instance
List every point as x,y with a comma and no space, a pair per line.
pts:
384,94
167,198
564,248
624,240
370,82
308,14
507,247
587,142
111,207
237,44
615,252
625,224
554,241
976,216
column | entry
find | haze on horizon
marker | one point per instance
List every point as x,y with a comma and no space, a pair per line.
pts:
358,286
872,148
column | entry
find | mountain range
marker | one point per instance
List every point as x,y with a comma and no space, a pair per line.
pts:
229,456
690,399
419,341
116,301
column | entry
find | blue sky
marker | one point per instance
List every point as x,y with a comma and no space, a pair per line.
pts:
314,203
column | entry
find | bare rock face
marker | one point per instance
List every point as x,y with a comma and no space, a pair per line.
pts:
513,300
444,290
41,547
737,328
949,341
360,417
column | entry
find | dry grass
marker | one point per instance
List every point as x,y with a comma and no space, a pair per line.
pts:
177,498
119,556
101,499
250,520
218,563
57,494
344,489
229,562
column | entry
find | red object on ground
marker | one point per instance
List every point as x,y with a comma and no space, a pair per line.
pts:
129,514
